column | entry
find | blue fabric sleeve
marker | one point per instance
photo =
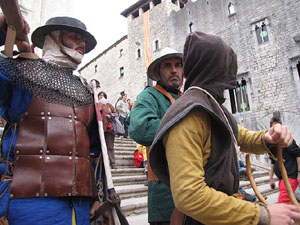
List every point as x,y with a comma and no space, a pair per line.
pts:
13,100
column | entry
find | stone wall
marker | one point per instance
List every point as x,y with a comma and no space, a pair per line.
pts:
269,68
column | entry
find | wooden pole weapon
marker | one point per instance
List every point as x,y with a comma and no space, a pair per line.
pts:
112,195
14,20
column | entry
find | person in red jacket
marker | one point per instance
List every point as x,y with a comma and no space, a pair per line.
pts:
106,109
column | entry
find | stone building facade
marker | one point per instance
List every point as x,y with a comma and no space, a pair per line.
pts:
264,34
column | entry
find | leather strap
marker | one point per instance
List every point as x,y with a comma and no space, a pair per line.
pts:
10,41
151,175
28,55
177,217
163,91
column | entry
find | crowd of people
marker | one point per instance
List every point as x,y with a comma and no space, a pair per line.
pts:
51,138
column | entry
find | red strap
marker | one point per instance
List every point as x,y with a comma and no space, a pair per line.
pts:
163,91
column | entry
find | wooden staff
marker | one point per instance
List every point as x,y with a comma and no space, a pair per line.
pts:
112,195
252,181
14,20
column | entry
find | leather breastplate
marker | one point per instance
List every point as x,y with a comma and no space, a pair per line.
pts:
52,152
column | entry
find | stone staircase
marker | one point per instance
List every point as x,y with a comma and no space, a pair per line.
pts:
129,182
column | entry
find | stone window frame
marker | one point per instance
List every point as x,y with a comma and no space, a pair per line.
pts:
122,72
258,26
156,45
191,27
295,71
241,94
138,53
231,9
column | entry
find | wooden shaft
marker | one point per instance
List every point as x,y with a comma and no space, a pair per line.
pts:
252,181
13,17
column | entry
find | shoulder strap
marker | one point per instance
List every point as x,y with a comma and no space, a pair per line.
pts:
163,91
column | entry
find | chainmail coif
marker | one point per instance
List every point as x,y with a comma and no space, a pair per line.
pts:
48,81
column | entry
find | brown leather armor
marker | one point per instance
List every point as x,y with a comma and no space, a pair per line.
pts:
52,152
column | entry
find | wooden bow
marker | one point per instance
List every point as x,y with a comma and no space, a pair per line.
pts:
285,178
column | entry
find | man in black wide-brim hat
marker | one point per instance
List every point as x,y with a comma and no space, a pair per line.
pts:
46,175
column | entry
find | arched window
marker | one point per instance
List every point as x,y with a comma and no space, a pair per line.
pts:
156,45
191,26
231,8
138,53
239,97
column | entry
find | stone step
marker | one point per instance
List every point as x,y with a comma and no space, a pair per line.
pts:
258,180
127,171
124,157
134,206
124,148
132,190
125,163
125,143
124,140
141,219
119,152
126,180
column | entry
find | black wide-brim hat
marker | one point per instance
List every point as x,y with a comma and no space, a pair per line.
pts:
63,23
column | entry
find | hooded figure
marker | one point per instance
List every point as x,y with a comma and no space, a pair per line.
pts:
51,134
195,148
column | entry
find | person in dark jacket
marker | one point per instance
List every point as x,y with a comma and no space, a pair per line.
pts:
291,157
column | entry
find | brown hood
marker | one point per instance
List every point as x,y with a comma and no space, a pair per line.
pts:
209,63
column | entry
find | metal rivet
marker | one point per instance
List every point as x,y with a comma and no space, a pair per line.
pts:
75,117
11,195
37,194
76,158
70,153
17,152
26,113
70,194
70,121
48,151
17,158
41,151
42,113
49,113
70,157
48,157
46,194
50,118
70,116
43,118
41,157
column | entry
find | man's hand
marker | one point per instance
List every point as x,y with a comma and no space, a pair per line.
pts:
284,214
279,134
94,208
272,184
298,177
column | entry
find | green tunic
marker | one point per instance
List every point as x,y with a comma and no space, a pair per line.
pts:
145,119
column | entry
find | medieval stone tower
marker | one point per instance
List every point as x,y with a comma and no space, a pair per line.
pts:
264,34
